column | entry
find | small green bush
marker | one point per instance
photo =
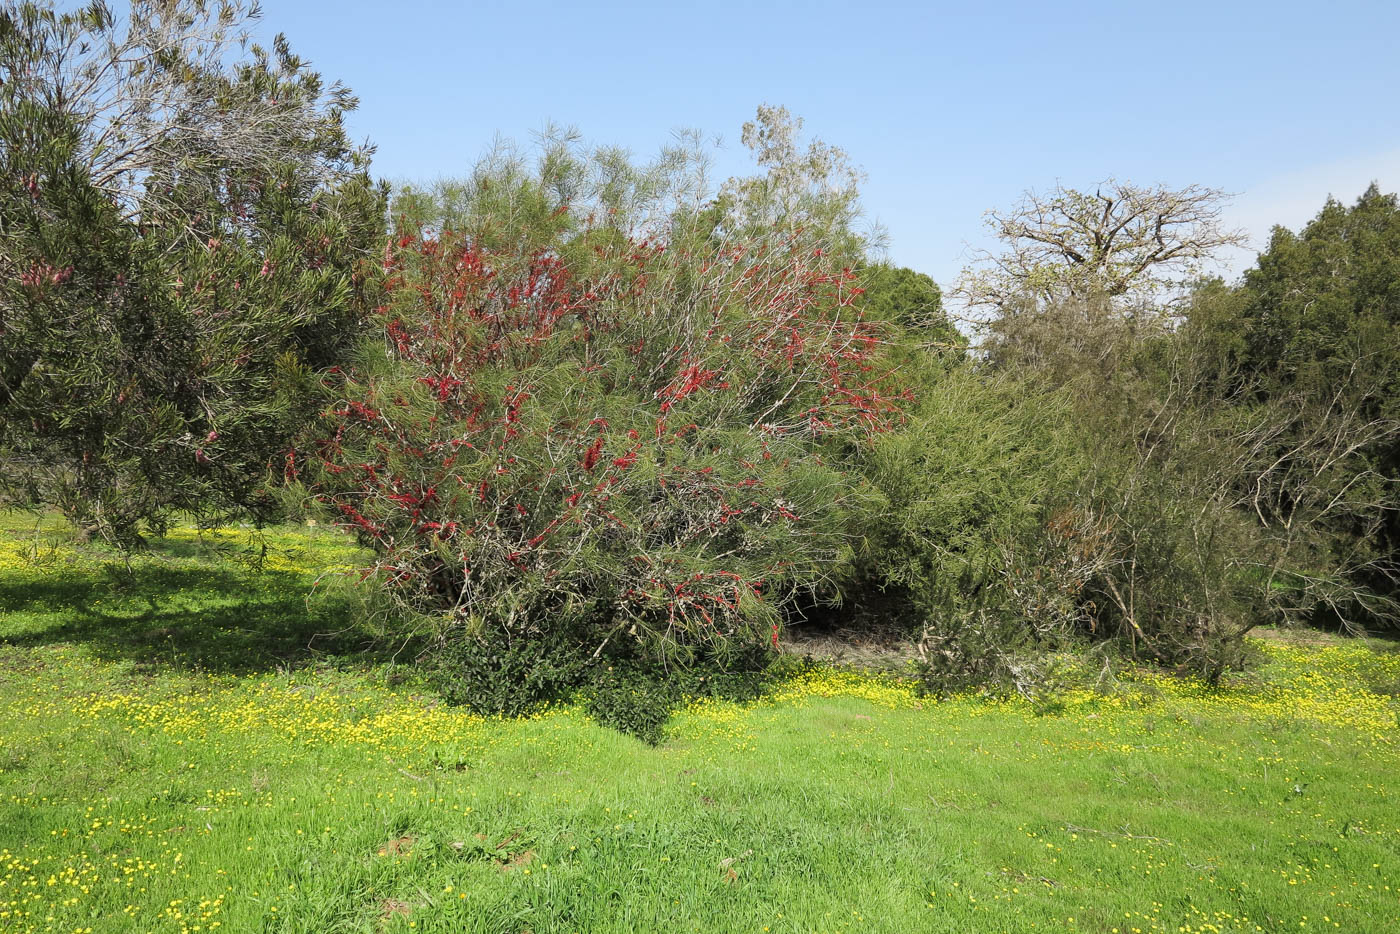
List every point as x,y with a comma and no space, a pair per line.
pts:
632,699
978,467
637,696
624,689
499,677
959,552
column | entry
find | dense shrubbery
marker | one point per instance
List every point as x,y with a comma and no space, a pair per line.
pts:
1312,334
967,487
623,688
1102,473
637,696
611,429
608,422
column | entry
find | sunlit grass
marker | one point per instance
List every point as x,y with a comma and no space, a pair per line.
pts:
182,752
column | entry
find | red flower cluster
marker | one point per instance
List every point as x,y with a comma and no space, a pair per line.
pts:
641,432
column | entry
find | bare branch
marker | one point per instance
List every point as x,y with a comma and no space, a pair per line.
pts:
1123,241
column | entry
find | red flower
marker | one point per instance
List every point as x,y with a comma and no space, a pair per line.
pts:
590,456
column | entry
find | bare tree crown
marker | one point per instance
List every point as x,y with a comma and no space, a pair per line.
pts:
1121,240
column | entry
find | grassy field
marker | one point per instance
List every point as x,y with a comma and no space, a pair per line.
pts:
176,758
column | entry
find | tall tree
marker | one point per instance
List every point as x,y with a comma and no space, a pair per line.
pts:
1124,241
1316,325
910,300
1083,278
185,236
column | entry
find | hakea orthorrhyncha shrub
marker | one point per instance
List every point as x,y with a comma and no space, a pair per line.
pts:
651,445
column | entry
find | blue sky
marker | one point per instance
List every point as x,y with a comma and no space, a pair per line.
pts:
949,108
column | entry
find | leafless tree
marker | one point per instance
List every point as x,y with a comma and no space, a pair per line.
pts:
1122,241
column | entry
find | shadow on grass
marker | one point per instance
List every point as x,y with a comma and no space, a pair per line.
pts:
187,617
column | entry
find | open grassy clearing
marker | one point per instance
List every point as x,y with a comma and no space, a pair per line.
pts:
175,759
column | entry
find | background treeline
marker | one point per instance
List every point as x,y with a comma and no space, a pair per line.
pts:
604,425
1163,468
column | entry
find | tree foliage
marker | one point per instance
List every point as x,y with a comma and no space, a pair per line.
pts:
184,240
1314,331
967,486
1235,470
170,103
912,301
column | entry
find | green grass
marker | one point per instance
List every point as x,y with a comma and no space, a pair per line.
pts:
181,752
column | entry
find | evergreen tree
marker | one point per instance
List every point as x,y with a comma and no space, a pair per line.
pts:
1317,322
184,243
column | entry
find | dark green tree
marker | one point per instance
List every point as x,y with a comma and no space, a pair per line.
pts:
184,243
899,295
1326,300
1316,323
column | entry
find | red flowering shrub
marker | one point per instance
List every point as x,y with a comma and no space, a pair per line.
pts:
627,438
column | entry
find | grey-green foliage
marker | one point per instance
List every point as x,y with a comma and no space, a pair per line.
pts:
811,188
1185,575
601,189
968,484
1031,506
1123,240
1184,463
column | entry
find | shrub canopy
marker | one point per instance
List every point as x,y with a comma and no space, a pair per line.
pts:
597,408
